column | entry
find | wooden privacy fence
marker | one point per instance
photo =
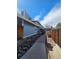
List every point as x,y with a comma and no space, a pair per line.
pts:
55,34
19,32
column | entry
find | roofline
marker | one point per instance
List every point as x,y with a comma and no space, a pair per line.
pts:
39,23
18,15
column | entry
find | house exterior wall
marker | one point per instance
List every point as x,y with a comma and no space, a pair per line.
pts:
25,29
29,29
19,28
19,21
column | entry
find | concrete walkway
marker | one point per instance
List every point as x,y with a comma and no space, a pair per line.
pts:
37,51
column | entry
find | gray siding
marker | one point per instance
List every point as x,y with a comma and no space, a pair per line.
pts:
29,29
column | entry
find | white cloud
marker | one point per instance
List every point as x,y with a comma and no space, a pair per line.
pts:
53,17
18,11
37,17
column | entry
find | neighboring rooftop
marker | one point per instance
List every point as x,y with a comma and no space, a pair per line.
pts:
30,21
38,23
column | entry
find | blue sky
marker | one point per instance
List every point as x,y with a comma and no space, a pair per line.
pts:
40,9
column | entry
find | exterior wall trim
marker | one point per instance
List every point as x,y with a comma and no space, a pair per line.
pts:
18,15
29,35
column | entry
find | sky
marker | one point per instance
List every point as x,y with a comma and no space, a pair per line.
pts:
47,12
